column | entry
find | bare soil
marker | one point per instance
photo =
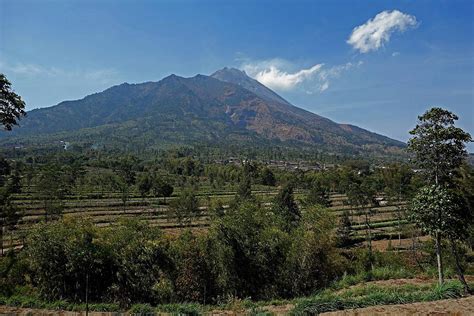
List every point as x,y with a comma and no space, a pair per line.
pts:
457,307
406,243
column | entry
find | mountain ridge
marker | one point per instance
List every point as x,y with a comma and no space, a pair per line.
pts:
225,105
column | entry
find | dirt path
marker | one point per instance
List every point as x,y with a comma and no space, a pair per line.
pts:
458,307
450,307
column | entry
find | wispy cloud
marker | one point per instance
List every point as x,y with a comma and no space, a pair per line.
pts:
371,35
282,75
29,70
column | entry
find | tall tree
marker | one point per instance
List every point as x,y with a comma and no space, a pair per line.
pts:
185,207
244,190
438,146
397,181
5,170
9,216
51,190
12,107
144,184
436,210
361,196
439,150
285,205
344,230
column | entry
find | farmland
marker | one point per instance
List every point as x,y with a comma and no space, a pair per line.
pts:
109,208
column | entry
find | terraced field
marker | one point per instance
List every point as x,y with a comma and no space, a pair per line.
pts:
105,208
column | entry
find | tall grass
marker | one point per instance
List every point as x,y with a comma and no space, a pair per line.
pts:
378,273
373,295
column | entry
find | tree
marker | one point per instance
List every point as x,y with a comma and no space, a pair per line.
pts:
318,195
285,205
397,180
267,177
438,146
439,150
437,211
361,196
144,184
14,183
5,170
51,190
124,187
244,191
344,230
12,107
255,247
314,261
185,207
64,256
9,216
125,169
139,262
162,188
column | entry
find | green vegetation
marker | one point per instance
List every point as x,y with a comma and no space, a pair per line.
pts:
12,107
186,232
375,295
439,149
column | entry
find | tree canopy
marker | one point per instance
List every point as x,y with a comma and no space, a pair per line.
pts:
12,107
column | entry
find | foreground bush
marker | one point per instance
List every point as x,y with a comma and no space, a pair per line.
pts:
118,264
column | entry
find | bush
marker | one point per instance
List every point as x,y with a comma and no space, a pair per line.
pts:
180,309
63,254
141,309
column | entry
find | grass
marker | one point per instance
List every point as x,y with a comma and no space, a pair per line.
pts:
378,273
372,295
26,301
349,292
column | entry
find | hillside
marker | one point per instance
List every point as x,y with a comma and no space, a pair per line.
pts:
225,107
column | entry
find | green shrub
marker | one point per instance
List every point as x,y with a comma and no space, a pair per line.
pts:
141,309
184,309
448,290
59,305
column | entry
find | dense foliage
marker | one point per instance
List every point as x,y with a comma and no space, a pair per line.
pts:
247,253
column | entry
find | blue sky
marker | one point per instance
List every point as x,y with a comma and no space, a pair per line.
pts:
380,76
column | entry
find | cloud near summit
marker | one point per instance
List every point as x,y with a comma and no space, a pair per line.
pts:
371,35
275,74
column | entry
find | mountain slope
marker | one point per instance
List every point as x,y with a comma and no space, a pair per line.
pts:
228,106
240,78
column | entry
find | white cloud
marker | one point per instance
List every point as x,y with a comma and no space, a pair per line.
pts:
395,54
276,78
275,74
377,31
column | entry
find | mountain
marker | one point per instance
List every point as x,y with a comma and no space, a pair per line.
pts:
227,107
240,78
